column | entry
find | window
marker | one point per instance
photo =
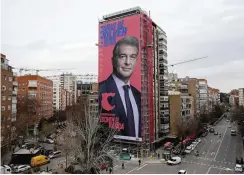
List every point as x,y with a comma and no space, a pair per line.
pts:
4,88
10,88
9,97
5,77
10,79
2,117
3,98
9,107
3,108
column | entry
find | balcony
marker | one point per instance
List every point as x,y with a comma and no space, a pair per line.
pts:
14,101
14,92
164,126
15,83
32,83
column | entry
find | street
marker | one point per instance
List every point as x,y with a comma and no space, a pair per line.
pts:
217,156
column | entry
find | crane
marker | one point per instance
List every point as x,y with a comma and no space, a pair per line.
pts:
38,70
186,61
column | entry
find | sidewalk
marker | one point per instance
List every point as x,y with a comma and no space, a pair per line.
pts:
5,159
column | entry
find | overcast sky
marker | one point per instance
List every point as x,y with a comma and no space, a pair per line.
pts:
63,33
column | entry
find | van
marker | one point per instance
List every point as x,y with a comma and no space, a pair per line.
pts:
39,160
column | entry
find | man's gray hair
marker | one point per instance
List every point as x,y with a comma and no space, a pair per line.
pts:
131,41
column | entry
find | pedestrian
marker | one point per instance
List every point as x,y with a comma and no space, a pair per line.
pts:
139,162
158,155
110,170
123,165
47,168
106,169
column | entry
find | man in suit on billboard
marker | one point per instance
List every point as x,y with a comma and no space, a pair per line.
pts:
124,100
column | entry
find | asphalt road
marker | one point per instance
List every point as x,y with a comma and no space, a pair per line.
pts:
217,156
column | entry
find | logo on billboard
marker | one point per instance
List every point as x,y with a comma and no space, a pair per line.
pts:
105,103
110,32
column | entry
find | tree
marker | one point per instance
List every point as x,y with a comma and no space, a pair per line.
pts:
27,110
86,139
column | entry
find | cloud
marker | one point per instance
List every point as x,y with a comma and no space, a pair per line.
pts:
58,34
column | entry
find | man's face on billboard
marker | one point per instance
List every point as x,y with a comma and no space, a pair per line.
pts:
126,61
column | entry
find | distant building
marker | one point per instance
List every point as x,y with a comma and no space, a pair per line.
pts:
68,82
234,100
181,110
8,104
193,89
40,89
203,97
241,96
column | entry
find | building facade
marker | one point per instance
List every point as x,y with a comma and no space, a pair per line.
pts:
8,104
39,91
68,82
203,95
241,96
193,89
153,76
181,110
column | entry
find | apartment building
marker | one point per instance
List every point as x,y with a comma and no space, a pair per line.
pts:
161,86
203,95
181,110
68,82
193,89
40,90
241,96
8,103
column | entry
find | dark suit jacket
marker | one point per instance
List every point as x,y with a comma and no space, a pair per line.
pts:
108,86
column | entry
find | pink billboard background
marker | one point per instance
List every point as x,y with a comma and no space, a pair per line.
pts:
132,23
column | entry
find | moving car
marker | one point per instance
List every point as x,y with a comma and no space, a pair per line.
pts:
238,168
21,168
233,132
182,172
174,161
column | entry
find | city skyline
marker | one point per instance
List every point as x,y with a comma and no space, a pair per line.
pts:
61,35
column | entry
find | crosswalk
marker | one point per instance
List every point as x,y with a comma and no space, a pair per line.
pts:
206,164
212,160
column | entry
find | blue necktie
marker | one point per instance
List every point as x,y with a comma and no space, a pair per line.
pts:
130,115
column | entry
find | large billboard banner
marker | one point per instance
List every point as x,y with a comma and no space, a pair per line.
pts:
120,76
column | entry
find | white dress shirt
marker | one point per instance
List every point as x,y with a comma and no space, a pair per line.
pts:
120,84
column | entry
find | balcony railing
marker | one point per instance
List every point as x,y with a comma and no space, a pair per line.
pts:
14,92
15,83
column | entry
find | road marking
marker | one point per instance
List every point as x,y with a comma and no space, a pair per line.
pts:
142,167
194,172
220,143
209,169
116,166
131,170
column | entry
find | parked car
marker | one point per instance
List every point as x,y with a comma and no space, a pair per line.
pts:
21,168
198,140
238,168
211,130
182,172
216,133
174,161
55,154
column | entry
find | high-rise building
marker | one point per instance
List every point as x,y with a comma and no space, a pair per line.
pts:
241,96
8,104
40,89
68,82
148,74
203,97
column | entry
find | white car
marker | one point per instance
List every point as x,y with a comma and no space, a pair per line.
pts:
198,140
21,168
188,150
182,172
55,154
49,141
238,168
174,161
